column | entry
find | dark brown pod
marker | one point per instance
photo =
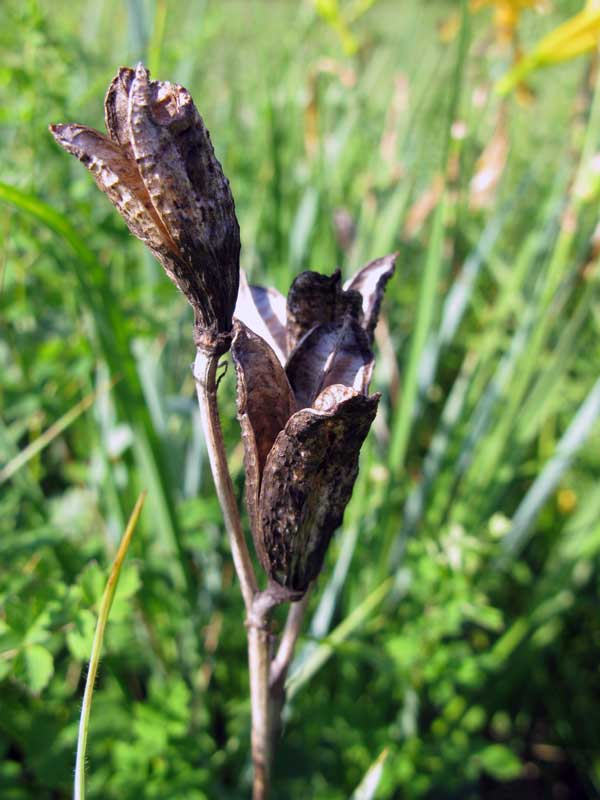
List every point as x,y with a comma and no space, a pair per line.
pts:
307,482
265,402
312,353
337,352
315,299
158,167
301,465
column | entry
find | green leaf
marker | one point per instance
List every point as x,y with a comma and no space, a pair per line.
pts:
80,638
486,616
500,762
92,583
129,583
39,666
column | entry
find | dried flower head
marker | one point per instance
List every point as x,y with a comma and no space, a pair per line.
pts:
157,166
303,369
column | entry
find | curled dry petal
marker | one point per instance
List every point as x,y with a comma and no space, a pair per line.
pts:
370,282
316,299
263,311
116,109
265,403
117,176
158,167
335,353
307,482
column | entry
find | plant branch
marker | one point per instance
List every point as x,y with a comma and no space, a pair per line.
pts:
259,660
259,605
281,662
205,369
287,643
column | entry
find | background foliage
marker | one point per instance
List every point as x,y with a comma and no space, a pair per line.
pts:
455,628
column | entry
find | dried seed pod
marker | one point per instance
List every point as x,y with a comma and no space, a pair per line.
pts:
370,283
307,483
158,167
301,465
315,299
338,352
265,402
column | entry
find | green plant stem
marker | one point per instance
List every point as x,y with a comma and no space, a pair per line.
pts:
105,605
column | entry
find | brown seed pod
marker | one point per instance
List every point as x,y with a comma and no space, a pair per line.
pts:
157,166
304,414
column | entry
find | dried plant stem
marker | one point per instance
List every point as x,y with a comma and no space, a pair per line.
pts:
287,644
258,604
259,660
280,664
205,371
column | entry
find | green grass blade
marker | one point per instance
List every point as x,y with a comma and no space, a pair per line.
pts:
543,396
50,434
155,44
301,675
424,318
367,788
456,303
105,605
547,480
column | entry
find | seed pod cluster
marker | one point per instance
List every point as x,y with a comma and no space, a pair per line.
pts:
303,370
303,364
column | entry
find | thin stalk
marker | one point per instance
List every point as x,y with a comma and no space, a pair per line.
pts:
259,661
259,605
287,644
105,605
280,664
205,371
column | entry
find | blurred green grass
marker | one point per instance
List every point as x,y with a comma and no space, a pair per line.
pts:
456,623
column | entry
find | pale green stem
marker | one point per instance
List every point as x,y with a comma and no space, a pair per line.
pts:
105,605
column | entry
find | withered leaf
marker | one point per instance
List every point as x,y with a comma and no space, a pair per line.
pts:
307,482
265,402
263,311
335,353
316,299
370,282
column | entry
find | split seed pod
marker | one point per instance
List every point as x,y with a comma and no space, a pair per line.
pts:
157,166
303,370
